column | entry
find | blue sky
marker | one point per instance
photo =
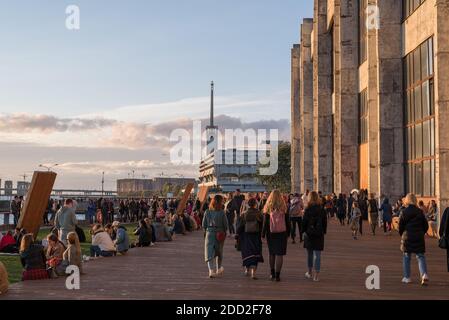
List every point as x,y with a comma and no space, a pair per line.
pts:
146,53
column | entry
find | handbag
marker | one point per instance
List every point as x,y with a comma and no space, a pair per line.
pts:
221,236
443,243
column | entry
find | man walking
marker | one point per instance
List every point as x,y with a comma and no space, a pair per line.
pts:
15,209
65,220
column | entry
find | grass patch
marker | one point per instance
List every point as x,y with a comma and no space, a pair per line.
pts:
14,267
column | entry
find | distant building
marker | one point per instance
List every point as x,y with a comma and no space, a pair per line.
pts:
229,170
148,187
22,188
8,188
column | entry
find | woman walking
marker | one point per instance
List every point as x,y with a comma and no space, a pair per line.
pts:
373,216
276,229
315,226
356,215
387,216
413,226
215,225
341,209
444,233
250,238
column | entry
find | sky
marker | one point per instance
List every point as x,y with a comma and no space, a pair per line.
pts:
107,96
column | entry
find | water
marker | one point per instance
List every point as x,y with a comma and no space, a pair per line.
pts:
79,217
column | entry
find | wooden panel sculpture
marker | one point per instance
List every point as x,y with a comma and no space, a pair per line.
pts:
202,196
36,201
182,204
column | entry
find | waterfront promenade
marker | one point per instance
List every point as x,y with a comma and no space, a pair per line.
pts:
176,270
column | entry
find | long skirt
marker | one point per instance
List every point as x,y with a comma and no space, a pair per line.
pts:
251,246
212,247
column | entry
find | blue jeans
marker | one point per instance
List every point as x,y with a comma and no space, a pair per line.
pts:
421,264
95,251
314,259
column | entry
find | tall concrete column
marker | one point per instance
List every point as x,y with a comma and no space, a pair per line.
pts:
295,121
306,105
322,104
346,96
441,67
385,102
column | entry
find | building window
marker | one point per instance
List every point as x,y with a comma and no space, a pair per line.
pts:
410,6
420,120
363,35
363,120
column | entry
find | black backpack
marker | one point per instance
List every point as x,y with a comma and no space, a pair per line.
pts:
315,226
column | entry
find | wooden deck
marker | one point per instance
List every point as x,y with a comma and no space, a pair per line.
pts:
176,271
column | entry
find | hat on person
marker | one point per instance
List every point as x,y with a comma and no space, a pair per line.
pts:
115,224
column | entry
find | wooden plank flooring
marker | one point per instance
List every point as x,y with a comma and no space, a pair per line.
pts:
176,270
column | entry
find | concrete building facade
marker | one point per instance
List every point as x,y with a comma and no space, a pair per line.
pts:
380,97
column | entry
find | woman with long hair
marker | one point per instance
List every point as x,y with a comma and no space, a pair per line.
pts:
33,259
276,230
314,224
216,226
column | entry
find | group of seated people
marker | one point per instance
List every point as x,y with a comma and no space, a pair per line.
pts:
51,257
10,242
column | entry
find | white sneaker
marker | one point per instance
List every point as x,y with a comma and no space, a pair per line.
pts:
212,274
220,272
425,280
406,280
308,275
316,279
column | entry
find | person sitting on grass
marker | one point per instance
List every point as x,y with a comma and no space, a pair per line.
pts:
33,259
110,230
122,239
4,283
144,235
149,223
162,231
8,244
178,225
102,245
55,250
18,234
72,255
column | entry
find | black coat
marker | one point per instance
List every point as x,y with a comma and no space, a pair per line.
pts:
443,230
315,242
413,227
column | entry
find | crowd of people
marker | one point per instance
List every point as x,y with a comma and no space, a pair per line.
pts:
277,217
251,219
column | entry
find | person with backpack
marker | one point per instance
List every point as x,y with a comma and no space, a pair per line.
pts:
296,212
250,238
314,225
413,227
373,215
276,229
444,234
